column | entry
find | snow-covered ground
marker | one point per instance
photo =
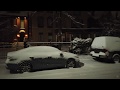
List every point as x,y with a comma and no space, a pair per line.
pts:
91,69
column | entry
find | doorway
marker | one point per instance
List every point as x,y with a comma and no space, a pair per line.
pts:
22,35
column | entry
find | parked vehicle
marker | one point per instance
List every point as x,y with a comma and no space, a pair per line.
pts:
40,57
106,47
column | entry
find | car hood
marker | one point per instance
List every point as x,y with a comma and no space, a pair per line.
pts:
69,55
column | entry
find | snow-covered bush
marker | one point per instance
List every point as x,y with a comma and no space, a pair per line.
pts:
79,45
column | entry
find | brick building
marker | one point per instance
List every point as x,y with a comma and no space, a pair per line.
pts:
44,26
13,25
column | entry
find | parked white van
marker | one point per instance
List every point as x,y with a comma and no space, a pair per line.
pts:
107,47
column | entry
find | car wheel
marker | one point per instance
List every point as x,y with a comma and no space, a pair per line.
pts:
25,67
116,58
71,63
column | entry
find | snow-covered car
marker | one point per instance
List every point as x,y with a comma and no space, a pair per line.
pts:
106,48
40,57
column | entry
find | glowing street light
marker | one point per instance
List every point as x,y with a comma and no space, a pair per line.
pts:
18,35
26,35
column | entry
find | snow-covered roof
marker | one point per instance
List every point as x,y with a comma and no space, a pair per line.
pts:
39,48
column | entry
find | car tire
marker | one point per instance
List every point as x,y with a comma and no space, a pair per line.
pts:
25,67
116,58
70,63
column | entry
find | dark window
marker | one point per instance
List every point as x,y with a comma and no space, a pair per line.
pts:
90,22
40,36
50,22
40,21
50,37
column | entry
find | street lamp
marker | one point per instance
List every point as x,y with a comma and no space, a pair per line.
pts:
18,35
26,35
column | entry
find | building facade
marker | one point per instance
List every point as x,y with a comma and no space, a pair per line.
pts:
59,26
55,26
13,25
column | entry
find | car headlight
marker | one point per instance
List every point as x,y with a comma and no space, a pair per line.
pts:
12,59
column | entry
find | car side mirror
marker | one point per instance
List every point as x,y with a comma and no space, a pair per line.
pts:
32,58
61,55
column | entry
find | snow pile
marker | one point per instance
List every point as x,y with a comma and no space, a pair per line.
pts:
79,45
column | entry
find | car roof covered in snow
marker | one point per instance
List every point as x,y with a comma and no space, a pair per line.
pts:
40,48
